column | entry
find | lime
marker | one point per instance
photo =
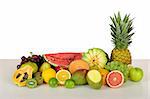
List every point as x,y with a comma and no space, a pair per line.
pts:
69,83
53,82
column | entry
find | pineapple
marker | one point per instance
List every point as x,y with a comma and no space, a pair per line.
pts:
121,32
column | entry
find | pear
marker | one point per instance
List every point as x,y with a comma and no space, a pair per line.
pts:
44,66
79,77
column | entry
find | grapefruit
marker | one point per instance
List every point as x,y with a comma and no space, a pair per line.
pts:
115,79
78,65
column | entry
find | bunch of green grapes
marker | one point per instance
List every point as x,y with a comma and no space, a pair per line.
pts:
115,65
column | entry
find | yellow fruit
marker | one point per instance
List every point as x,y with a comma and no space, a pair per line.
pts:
121,55
121,32
62,76
104,74
48,74
18,76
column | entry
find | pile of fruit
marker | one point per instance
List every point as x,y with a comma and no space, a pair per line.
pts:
93,68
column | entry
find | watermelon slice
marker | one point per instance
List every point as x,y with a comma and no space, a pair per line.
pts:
62,59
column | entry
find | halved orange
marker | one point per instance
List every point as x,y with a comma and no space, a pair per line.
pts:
62,76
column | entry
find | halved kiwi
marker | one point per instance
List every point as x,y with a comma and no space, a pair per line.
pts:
31,83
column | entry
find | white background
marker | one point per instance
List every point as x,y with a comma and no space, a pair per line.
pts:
68,25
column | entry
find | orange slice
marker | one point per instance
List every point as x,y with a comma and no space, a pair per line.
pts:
62,76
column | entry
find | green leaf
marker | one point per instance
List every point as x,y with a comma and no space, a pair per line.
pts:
112,19
129,36
119,18
125,18
121,30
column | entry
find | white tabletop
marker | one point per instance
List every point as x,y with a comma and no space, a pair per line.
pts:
130,90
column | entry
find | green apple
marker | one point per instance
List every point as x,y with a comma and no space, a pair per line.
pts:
44,66
136,74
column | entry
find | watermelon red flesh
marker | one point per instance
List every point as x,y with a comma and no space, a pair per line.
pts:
115,79
62,59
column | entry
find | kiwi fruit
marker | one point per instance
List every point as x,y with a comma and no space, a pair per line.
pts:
31,83
38,78
37,74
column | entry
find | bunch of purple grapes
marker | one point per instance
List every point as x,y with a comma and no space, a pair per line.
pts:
38,59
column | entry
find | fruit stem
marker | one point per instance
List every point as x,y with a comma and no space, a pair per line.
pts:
31,53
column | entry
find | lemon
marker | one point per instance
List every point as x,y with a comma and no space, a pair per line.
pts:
62,76
48,74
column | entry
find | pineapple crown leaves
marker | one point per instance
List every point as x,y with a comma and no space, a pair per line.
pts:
121,31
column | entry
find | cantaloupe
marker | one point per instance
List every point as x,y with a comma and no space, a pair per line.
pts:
77,65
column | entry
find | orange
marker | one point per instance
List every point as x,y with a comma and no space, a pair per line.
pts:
62,76
48,74
104,74
77,65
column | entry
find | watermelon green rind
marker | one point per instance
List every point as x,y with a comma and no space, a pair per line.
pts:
55,65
